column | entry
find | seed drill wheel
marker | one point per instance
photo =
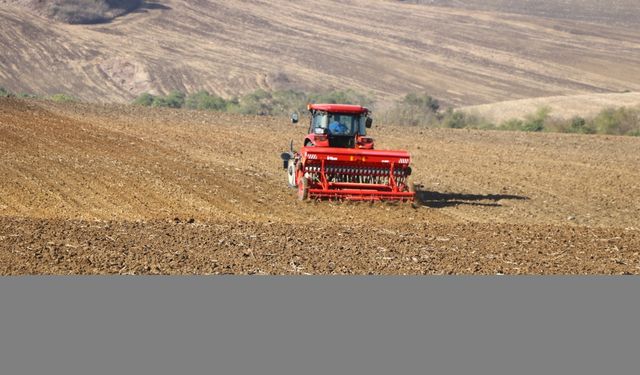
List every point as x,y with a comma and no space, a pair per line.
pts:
303,188
291,173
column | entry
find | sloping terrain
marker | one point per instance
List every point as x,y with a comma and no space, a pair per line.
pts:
385,48
564,107
612,11
78,11
120,189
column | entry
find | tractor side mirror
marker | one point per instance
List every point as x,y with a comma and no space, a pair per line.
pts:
368,122
294,118
285,156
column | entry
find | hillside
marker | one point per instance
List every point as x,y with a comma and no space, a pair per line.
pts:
563,107
78,11
612,11
120,189
462,56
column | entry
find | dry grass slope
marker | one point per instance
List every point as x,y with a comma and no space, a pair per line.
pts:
462,56
563,107
78,11
616,11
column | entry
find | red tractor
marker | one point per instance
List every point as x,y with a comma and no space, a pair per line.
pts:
338,160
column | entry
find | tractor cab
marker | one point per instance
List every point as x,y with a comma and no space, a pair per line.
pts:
338,125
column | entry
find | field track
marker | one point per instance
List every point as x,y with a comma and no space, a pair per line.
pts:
96,189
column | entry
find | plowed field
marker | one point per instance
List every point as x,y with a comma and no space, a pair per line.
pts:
96,189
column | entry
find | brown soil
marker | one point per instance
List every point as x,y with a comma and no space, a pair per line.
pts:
119,189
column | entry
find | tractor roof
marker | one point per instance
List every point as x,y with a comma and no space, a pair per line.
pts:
338,108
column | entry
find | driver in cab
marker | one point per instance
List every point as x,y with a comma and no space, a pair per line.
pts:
338,128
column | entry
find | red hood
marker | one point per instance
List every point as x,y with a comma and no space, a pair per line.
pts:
338,108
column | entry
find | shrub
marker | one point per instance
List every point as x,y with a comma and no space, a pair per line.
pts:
422,102
144,99
460,120
204,100
455,120
536,121
175,99
233,105
512,124
535,125
4,93
620,121
579,125
422,110
63,98
286,101
258,102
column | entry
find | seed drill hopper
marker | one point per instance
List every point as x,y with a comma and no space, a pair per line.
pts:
338,159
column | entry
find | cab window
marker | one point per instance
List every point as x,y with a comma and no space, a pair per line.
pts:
320,121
